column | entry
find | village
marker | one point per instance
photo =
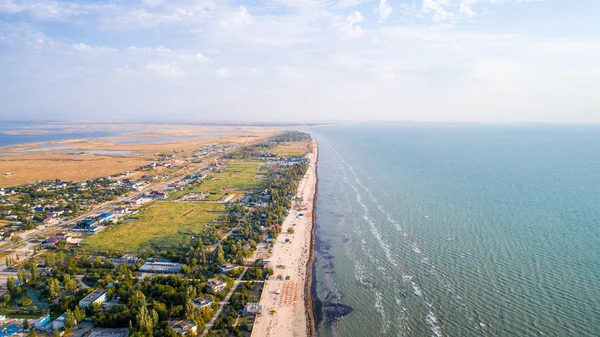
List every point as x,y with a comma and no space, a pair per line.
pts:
78,283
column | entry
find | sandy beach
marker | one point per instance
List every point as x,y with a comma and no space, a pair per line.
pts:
284,296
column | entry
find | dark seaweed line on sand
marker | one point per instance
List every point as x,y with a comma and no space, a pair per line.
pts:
312,304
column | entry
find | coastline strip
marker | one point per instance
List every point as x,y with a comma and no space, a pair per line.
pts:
310,280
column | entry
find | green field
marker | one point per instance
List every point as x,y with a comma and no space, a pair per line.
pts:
291,149
168,224
238,175
158,225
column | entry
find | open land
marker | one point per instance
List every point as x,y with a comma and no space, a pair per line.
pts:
236,176
161,224
132,147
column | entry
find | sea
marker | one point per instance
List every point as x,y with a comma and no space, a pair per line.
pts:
30,132
458,230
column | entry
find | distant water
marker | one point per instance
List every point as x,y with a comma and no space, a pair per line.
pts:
431,230
7,139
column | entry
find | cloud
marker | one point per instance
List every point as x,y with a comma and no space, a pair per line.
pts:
348,25
224,72
165,69
438,8
384,10
238,18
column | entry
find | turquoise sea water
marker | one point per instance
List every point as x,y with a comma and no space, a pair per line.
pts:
459,230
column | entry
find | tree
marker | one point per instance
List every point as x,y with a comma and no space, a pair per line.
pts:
79,314
137,300
52,287
25,324
35,273
26,301
220,255
69,321
32,333
22,276
11,285
70,284
50,259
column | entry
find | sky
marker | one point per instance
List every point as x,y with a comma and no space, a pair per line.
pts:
301,60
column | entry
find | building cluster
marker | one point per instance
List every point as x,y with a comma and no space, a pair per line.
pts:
55,240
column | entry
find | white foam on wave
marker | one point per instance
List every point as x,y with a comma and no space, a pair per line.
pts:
416,289
431,318
433,324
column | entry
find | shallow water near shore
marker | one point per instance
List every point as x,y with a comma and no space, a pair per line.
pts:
458,230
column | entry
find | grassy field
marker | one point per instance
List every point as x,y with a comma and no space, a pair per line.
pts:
158,225
31,167
238,175
292,149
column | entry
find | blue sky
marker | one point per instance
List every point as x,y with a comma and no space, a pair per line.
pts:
278,60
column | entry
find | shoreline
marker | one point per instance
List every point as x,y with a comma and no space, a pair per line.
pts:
310,284
287,296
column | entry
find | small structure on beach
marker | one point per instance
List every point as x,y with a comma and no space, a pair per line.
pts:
254,308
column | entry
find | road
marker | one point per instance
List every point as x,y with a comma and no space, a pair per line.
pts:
222,304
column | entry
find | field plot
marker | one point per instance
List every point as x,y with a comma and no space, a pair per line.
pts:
17,170
238,175
159,225
291,149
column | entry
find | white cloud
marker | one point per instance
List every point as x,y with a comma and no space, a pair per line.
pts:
224,72
165,69
349,25
384,10
440,13
238,18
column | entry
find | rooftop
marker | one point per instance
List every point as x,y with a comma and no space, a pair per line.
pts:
109,333
94,295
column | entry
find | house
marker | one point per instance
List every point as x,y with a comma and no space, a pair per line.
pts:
216,285
86,226
97,296
11,218
105,217
128,258
184,327
227,267
57,325
120,210
158,195
41,322
53,241
136,201
54,214
50,221
202,302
